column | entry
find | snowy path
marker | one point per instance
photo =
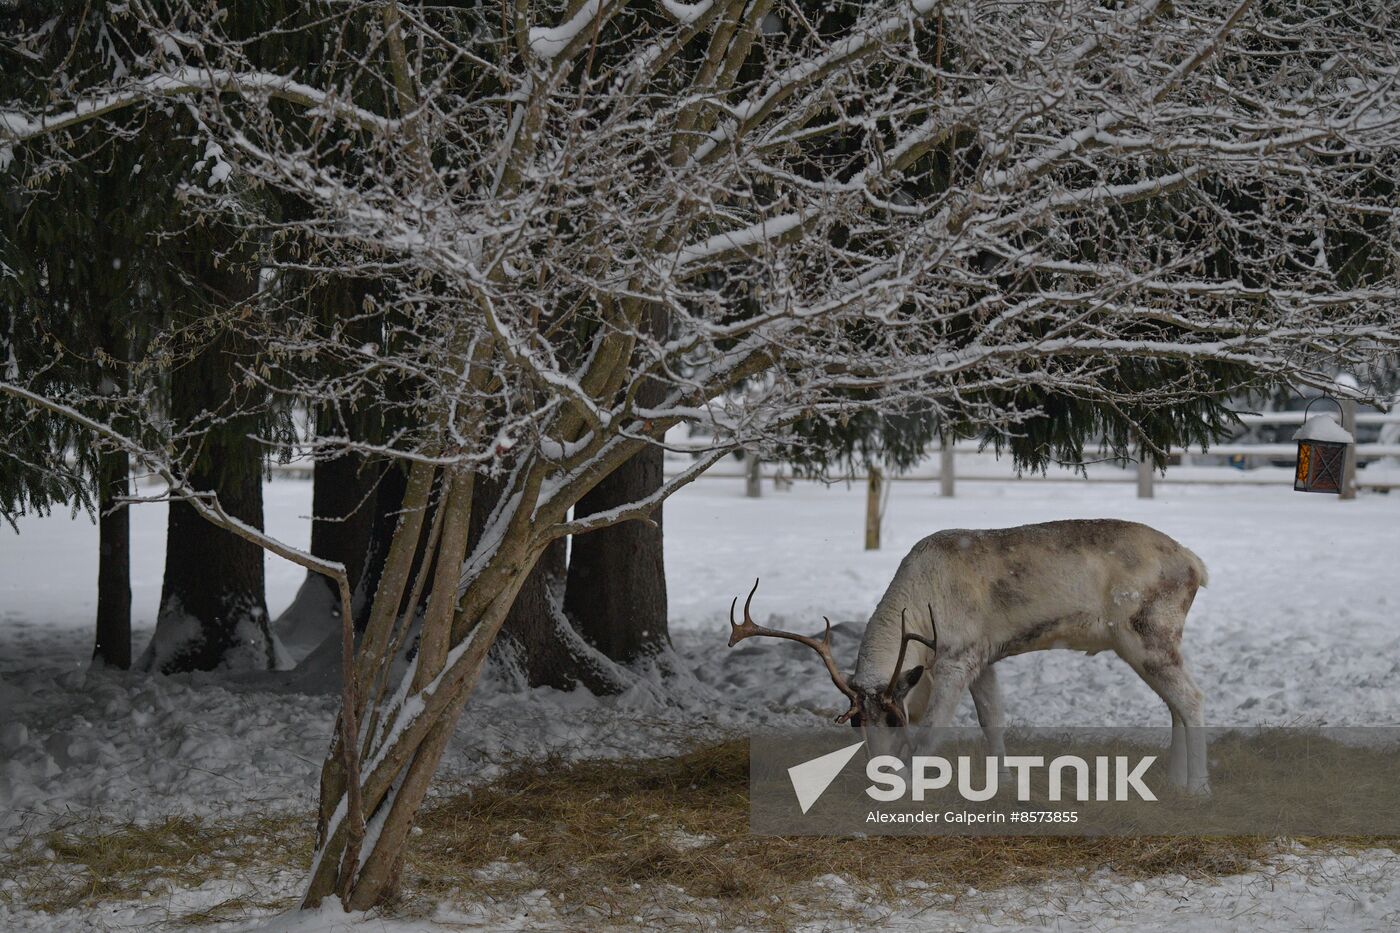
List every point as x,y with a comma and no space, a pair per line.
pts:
1301,623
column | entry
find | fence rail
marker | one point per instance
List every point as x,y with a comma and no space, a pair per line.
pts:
1181,472
1296,417
1103,473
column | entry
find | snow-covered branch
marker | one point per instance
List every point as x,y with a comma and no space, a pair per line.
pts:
641,509
17,126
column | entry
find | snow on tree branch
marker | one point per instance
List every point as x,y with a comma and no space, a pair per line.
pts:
17,126
549,42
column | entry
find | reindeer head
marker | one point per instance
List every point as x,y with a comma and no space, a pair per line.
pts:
884,707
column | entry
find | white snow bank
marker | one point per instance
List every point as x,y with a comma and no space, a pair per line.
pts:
309,620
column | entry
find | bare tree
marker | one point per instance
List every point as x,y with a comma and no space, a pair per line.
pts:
949,205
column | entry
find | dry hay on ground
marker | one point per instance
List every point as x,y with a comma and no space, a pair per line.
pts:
603,841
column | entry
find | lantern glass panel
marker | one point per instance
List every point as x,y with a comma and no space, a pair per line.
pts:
1321,465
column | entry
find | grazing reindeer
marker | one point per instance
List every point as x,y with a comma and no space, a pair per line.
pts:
1084,585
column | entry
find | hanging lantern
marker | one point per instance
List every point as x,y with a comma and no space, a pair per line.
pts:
1322,451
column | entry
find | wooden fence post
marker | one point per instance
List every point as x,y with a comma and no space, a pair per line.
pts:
753,475
1144,475
874,486
945,470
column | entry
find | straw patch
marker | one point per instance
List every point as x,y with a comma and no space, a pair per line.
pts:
657,839
77,866
613,839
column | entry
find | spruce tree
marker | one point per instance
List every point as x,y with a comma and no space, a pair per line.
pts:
85,285
124,294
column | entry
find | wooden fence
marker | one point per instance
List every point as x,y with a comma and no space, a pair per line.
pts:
942,465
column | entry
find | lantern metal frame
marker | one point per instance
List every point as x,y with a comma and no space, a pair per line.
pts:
1321,465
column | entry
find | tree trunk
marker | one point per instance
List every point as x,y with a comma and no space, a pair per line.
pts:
212,609
404,750
537,638
343,509
344,498
345,485
616,593
384,522
113,644
319,643
398,781
418,725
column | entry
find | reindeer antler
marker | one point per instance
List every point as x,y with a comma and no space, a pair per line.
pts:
748,628
932,643
904,640
905,637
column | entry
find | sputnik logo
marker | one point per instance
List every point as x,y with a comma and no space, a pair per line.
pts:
810,779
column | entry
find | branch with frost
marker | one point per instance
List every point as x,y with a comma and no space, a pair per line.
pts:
749,238
1052,155
206,504
1081,199
687,13
641,509
18,126
866,40
1223,288
562,41
890,163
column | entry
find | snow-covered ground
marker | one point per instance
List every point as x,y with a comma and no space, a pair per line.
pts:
1301,623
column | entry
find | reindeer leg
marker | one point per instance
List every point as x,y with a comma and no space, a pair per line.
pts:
1178,769
950,678
1178,764
1174,685
1187,765
986,697
1151,644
